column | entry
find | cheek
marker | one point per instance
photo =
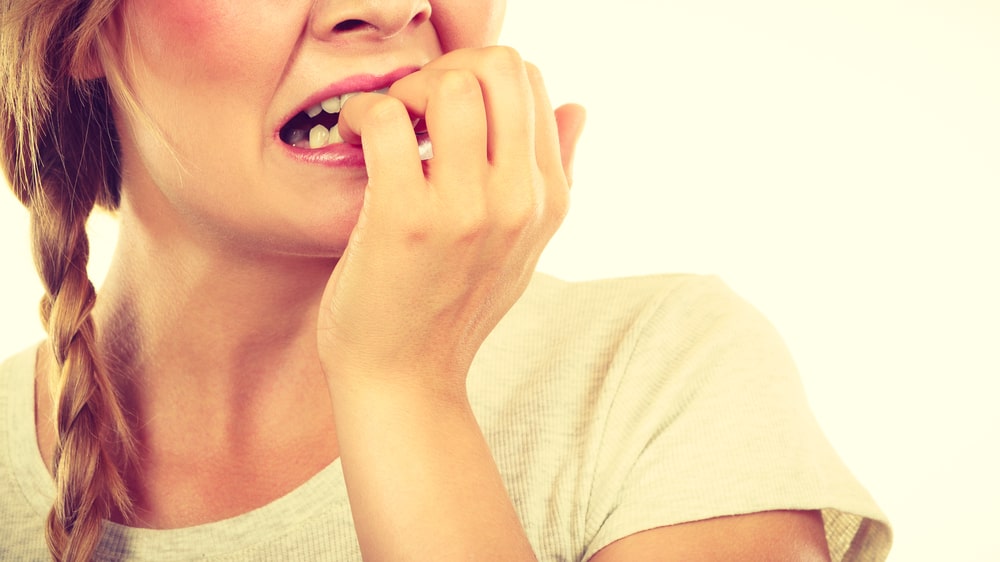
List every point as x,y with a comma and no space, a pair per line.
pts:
203,72
171,29
205,68
467,23
195,39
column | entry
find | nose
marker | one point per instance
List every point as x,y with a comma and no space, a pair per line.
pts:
375,19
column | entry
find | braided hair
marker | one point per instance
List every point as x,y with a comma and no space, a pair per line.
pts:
59,151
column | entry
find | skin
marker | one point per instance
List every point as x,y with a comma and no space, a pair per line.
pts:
267,316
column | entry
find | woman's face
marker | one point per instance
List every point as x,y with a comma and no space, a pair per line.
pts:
221,80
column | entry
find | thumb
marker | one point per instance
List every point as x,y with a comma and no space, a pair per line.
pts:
569,120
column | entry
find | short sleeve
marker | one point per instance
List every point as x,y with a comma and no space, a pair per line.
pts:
710,419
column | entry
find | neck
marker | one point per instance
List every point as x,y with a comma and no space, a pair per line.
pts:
216,348
215,353
174,310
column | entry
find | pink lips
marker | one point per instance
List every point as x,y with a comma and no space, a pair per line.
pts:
341,154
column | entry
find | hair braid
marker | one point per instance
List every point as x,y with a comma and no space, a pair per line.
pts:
59,151
91,428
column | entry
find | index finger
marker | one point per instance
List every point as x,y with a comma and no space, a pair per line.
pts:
382,125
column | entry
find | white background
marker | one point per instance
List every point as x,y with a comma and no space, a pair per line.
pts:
837,163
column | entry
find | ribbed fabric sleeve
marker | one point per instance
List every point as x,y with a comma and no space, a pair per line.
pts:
611,407
709,418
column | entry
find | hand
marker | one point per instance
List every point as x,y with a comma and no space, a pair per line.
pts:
443,248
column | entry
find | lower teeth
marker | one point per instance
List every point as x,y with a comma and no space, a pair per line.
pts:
320,136
317,137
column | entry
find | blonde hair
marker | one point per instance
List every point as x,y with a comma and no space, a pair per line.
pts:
60,154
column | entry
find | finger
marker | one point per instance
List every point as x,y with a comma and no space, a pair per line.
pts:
507,96
382,125
451,104
546,131
570,120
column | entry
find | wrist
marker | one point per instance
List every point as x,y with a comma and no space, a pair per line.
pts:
378,387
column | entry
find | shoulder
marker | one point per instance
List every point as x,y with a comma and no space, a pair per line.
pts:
695,412
639,332
16,369
623,294
586,338
647,326
623,306
25,486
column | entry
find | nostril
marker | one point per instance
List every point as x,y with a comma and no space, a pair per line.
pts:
421,17
349,25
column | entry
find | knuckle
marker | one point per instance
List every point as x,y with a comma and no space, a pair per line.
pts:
415,229
504,59
534,74
520,215
471,223
458,83
519,218
387,110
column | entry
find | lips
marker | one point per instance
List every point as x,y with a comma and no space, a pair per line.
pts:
314,124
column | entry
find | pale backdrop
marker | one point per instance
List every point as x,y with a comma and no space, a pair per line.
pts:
838,163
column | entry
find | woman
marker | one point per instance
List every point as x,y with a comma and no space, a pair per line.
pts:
322,337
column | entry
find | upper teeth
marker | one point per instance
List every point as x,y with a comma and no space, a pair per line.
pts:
333,105
319,136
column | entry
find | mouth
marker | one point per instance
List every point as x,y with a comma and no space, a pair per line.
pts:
314,124
317,125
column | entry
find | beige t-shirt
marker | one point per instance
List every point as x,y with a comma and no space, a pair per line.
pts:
610,406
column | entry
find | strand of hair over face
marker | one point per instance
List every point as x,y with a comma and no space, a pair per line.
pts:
59,152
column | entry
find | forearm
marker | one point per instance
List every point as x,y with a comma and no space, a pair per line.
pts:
441,251
421,479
